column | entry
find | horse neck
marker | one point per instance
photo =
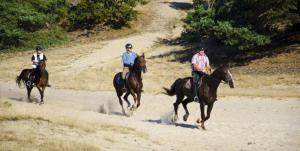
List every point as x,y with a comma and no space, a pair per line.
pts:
42,67
214,80
136,73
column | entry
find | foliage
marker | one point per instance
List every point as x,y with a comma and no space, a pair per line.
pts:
24,24
241,23
90,12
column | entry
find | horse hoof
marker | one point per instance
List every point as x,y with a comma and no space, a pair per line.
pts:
185,117
174,119
133,108
198,120
41,103
203,127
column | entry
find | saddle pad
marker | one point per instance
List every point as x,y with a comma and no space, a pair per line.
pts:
188,84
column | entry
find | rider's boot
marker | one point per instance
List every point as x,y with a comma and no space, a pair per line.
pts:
124,85
196,98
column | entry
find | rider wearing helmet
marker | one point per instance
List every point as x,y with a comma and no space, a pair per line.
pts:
36,58
128,58
200,63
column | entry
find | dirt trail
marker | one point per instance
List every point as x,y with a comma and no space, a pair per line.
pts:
237,123
164,16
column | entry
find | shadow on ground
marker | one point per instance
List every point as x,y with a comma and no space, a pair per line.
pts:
183,125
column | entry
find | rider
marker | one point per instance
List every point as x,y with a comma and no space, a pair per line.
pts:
128,58
200,62
36,58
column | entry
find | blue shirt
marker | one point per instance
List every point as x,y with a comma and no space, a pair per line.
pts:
128,58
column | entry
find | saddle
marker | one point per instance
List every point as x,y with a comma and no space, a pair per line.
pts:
189,83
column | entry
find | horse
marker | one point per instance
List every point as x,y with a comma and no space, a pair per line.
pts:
40,83
134,83
207,92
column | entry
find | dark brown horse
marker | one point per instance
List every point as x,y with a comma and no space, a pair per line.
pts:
134,83
41,82
207,92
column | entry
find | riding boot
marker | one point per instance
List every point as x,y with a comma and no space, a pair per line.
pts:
195,87
124,85
196,99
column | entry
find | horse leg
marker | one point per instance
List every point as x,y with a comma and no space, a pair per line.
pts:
209,108
119,94
126,99
184,104
29,88
202,108
176,104
135,100
138,99
41,90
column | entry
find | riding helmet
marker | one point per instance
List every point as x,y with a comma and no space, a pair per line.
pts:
38,48
128,45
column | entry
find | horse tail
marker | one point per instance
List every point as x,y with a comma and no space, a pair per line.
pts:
19,78
172,90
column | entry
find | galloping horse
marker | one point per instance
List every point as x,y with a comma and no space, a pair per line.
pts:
134,83
41,83
207,92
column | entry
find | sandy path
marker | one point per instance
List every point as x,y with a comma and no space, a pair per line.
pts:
164,15
237,123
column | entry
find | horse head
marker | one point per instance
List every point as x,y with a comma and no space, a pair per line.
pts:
140,63
226,75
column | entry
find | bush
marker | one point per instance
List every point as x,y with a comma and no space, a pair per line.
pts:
88,13
241,23
24,24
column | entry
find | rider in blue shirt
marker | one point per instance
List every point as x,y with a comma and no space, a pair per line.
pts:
128,58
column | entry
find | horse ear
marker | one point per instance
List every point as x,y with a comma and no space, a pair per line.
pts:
143,55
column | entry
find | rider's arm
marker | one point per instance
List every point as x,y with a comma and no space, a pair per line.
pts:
45,58
194,63
207,65
196,67
32,59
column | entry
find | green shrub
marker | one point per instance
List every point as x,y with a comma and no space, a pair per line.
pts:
24,24
241,23
91,12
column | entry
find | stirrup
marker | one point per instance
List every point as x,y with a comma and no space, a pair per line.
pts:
196,99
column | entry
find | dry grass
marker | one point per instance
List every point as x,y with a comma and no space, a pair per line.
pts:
30,127
68,117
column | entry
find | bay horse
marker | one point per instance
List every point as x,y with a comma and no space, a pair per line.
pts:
207,92
134,83
40,83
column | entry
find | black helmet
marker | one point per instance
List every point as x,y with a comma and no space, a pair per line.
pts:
128,45
38,48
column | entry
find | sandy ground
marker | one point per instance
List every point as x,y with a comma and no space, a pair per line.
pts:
237,123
